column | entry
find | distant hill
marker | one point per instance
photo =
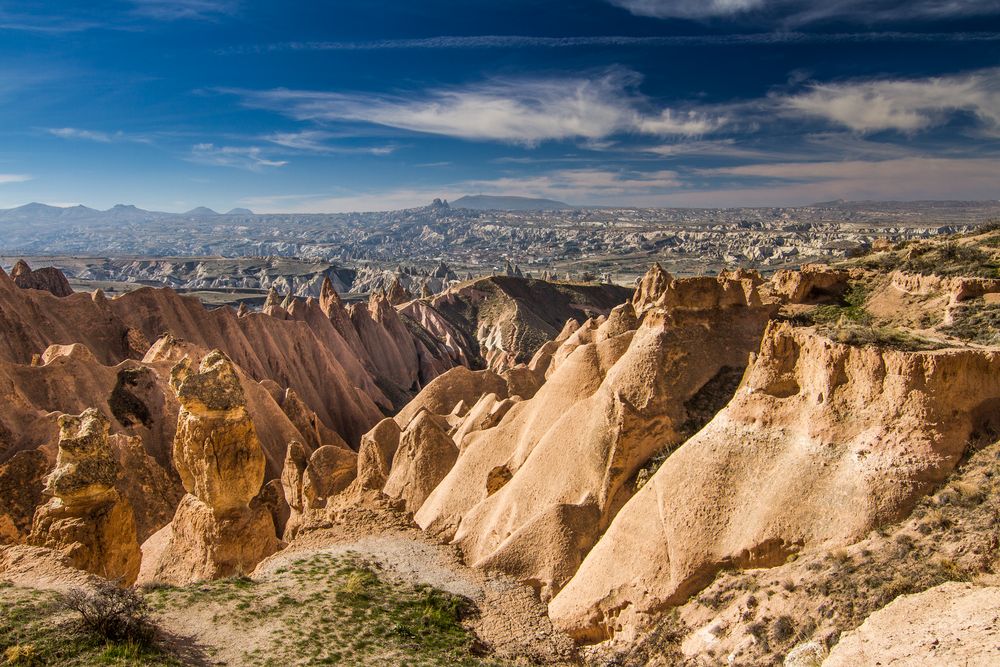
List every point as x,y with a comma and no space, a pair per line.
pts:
489,202
201,211
239,211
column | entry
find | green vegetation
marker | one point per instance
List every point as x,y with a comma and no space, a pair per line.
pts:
851,308
949,258
335,610
849,322
36,629
318,610
976,321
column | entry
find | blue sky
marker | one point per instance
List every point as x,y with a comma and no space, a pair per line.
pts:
308,106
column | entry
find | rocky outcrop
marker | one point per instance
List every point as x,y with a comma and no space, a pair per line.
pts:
651,286
449,389
47,278
87,519
619,396
218,529
425,455
511,317
316,352
310,480
397,294
822,443
375,456
813,283
151,491
951,624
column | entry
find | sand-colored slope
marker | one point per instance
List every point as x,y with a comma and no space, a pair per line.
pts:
821,444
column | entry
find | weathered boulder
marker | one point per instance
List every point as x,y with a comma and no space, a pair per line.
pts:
309,480
87,519
814,283
216,450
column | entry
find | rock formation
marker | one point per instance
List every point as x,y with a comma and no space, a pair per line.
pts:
822,443
812,284
87,519
218,529
47,278
951,624
378,447
511,317
310,480
22,481
424,456
618,397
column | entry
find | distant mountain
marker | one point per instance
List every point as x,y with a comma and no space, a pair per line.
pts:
240,211
35,211
493,203
201,212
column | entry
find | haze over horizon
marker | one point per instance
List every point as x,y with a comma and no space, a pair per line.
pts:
374,106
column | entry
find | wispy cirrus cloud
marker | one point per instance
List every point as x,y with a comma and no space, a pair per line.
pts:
797,12
127,16
905,105
522,111
767,38
99,136
907,178
46,23
240,157
176,10
14,178
318,141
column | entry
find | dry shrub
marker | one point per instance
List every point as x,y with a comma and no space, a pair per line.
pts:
111,612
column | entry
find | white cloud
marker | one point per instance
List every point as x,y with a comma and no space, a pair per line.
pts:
534,42
903,105
523,111
690,123
774,184
99,136
576,185
688,8
174,10
13,178
316,141
570,185
909,178
241,157
76,133
805,11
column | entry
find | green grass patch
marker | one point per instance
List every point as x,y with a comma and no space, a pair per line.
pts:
35,632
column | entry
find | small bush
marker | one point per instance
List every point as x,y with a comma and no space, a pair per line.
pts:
112,613
782,629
